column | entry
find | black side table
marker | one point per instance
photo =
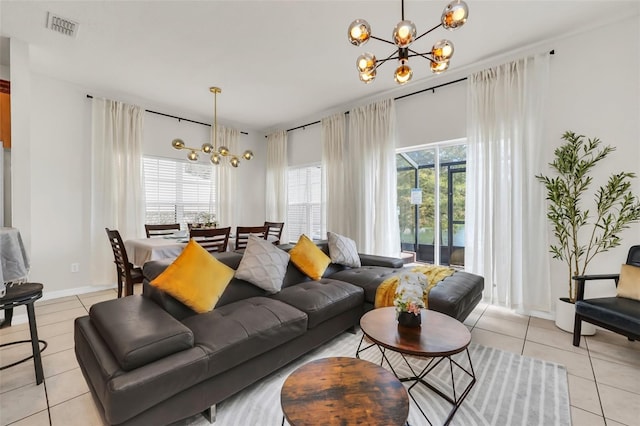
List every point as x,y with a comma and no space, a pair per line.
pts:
24,294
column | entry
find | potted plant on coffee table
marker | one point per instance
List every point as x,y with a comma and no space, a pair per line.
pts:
409,298
581,232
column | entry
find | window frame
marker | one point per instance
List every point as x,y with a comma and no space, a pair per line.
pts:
314,225
437,146
185,210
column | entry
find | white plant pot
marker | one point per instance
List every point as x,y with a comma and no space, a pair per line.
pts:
565,318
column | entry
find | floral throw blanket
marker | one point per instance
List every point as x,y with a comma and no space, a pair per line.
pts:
434,274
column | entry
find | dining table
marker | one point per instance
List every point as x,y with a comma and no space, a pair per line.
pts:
142,250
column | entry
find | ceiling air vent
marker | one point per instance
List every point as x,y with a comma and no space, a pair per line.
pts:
62,25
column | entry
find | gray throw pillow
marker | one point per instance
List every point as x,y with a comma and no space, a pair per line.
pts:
343,251
263,264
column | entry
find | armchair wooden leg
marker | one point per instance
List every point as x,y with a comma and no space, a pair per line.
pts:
577,329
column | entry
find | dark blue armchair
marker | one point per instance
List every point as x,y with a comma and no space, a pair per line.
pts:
618,314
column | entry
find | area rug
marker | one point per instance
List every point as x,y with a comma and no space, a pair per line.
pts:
510,390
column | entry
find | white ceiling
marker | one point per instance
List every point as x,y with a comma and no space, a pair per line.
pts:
277,62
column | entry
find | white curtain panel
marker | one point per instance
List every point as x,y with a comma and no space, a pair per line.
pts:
506,229
371,198
334,173
117,192
227,201
276,182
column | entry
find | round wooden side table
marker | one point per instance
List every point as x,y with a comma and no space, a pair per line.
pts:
344,391
18,295
438,339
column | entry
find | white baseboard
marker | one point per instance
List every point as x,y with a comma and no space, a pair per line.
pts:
48,295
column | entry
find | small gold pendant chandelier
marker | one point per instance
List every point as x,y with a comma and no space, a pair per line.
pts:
216,153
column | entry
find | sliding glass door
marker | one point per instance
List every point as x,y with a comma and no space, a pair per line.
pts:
431,202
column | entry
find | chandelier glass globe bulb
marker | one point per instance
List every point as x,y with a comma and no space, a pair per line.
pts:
403,73
177,143
404,33
207,148
368,77
215,158
224,151
366,62
247,155
442,50
192,156
359,32
455,15
438,67
235,161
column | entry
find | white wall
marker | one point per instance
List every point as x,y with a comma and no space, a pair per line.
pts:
304,146
21,197
60,177
432,117
597,100
5,168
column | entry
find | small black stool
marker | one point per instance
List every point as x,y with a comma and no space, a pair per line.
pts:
17,295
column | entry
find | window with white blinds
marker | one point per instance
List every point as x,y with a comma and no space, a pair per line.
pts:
304,212
177,191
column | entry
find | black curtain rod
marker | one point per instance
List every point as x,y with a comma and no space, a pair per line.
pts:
177,118
433,88
551,52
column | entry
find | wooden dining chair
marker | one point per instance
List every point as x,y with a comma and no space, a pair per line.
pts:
128,275
214,240
243,232
160,230
273,229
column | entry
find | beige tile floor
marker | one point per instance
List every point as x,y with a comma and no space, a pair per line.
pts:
603,373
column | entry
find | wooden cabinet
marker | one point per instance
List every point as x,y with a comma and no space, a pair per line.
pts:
5,113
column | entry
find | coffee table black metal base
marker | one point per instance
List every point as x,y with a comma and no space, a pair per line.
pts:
24,294
439,339
454,397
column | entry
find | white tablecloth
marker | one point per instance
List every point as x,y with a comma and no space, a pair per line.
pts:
13,256
143,250
14,263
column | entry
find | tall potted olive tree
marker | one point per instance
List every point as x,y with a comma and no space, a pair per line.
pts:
582,233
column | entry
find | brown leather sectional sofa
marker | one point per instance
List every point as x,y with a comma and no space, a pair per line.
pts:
151,360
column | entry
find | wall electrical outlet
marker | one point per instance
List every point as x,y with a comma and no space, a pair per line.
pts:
75,267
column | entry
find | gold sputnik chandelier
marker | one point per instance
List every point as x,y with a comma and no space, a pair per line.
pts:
404,34
216,153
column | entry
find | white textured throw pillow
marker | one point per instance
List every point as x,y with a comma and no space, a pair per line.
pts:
263,264
342,250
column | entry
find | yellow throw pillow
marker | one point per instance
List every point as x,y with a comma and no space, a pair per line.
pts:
629,282
309,258
195,278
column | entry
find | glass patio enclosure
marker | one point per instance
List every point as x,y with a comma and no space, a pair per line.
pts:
431,203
